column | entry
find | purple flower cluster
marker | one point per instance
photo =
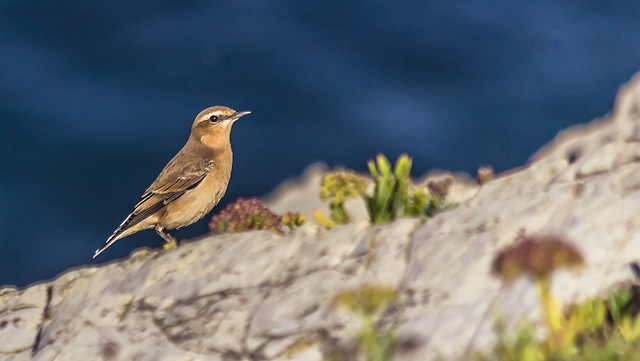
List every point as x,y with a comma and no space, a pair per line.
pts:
245,214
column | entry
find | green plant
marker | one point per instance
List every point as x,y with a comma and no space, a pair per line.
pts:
293,220
523,347
597,341
424,203
627,323
391,191
367,302
393,196
339,187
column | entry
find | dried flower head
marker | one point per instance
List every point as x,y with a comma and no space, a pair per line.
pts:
440,186
485,174
535,256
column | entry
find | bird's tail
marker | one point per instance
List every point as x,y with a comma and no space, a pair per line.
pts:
119,233
105,246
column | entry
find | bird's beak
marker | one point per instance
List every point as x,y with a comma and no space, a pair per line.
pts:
237,115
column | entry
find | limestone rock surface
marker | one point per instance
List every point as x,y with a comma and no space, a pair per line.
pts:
261,296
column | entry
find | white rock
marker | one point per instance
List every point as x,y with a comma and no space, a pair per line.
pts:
261,295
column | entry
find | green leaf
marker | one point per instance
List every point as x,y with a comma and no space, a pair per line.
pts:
383,165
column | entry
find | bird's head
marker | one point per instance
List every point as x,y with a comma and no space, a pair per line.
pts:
213,125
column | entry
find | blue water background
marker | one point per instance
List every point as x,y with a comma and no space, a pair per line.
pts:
96,97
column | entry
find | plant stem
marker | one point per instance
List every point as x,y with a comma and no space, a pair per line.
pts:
552,316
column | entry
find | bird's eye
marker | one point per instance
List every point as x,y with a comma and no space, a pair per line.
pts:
213,119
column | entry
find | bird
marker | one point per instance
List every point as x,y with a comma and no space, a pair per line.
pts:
191,184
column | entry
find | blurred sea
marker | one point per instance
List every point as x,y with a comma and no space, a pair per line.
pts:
96,97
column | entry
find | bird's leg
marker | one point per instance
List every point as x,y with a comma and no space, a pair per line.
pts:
170,240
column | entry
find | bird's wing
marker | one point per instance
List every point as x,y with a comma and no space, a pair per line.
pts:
177,178
172,183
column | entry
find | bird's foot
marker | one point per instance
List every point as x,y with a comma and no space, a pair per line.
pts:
170,241
169,245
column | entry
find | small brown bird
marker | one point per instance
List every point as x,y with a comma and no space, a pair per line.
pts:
191,184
